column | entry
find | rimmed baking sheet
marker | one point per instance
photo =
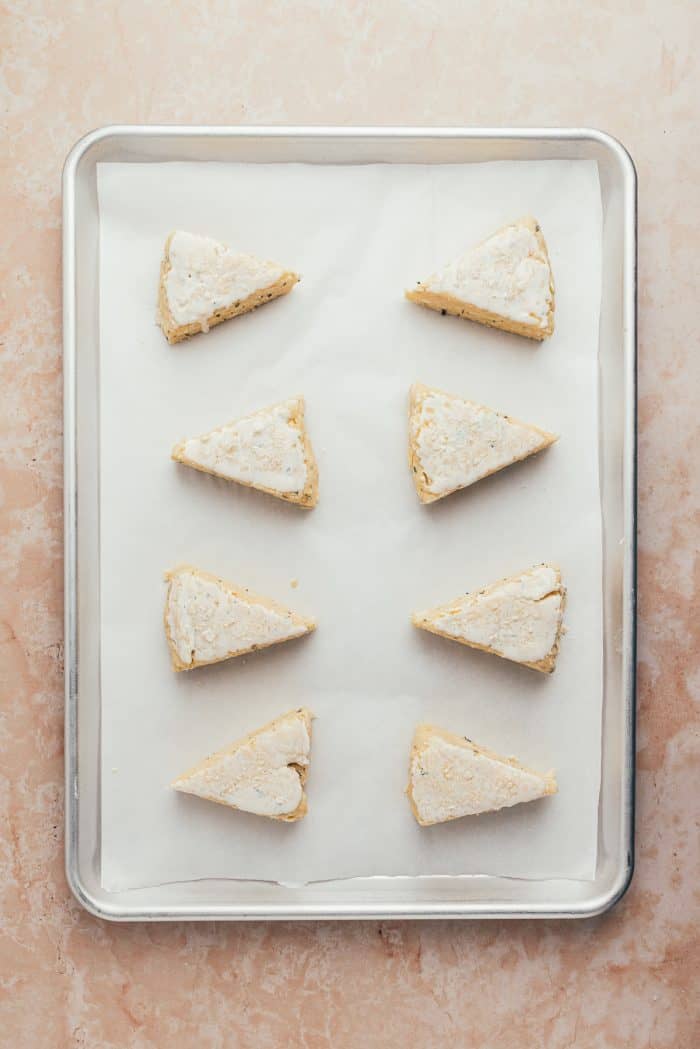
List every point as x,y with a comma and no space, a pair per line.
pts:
369,554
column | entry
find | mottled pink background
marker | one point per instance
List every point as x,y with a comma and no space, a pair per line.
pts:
628,979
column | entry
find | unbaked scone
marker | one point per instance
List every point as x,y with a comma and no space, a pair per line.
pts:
269,450
208,620
518,618
450,777
505,282
263,773
454,442
203,282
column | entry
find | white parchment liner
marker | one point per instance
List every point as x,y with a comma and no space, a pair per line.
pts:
370,553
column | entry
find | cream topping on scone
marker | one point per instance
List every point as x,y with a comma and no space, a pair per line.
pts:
206,276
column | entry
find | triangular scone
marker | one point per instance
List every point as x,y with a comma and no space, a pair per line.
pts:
202,283
505,282
518,618
269,450
449,777
208,620
263,773
453,442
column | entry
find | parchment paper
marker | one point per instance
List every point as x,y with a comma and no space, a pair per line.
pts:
369,554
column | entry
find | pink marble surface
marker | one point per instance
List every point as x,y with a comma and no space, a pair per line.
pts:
628,979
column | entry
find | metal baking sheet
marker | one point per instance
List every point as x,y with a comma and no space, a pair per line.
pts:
427,896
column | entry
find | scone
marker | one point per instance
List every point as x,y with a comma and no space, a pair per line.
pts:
203,282
505,282
518,618
454,442
269,450
208,620
450,777
264,773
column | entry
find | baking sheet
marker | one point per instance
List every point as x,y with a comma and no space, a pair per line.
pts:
369,554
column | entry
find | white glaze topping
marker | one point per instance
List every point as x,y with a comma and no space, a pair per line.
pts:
458,442
255,775
264,449
207,622
449,780
518,618
206,276
508,275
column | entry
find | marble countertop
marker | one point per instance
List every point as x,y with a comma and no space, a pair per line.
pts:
627,979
